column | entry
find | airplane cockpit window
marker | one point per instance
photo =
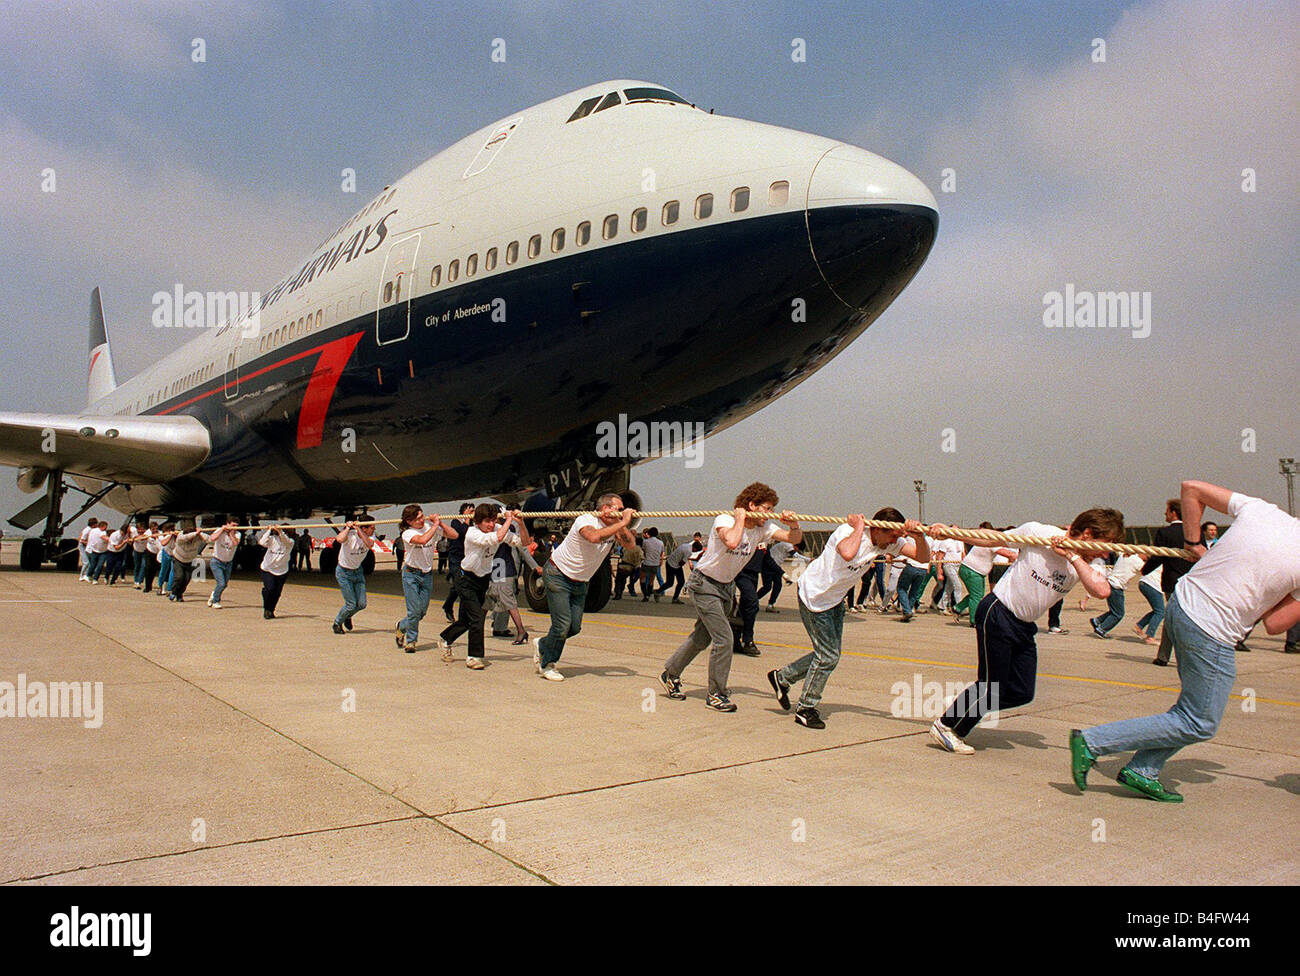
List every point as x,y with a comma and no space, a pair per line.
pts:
609,101
653,95
583,110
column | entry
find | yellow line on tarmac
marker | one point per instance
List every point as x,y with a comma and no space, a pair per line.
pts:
876,657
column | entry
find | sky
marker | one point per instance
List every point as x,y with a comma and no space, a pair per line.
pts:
1141,147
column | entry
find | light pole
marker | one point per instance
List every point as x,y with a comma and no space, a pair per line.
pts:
920,499
1287,467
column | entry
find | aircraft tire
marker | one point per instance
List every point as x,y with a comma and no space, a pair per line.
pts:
599,589
31,555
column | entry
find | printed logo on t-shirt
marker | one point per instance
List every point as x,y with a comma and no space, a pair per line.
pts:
1058,582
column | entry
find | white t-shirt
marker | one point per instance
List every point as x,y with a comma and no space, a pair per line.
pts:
152,544
352,550
950,551
654,552
1037,579
188,546
117,541
1252,567
828,577
419,557
278,548
1152,579
85,534
480,548
577,558
97,541
679,555
722,564
223,550
139,539
780,551
980,559
1125,568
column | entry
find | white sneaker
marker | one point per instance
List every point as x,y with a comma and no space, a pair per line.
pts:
537,654
550,674
136,586
475,663
949,739
209,601
447,656
214,606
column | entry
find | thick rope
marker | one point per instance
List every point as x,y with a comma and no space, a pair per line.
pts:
987,535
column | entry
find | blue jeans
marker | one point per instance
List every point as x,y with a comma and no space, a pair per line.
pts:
352,583
96,565
565,598
826,628
1153,619
141,563
417,587
164,571
1114,611
1207,669
912,579
221,574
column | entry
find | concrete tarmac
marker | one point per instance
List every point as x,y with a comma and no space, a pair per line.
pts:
237,750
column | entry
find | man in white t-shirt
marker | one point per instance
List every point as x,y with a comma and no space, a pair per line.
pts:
1252,574
225,543
1004,620
572,565
96,546
1118,575
974,573
84,553
733,540
482,539
354,542
850,552
275,567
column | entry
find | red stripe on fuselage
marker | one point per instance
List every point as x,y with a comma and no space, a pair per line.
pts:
324,378
320,389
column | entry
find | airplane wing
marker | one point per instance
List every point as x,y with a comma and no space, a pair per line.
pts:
129,450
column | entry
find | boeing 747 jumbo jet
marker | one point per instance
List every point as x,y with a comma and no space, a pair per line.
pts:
615,251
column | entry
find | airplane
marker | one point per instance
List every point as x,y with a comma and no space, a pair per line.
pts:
613,251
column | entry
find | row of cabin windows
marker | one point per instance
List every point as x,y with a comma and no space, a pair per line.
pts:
292,330
778,194
184,383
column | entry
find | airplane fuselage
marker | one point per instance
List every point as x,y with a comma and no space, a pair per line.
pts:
467,331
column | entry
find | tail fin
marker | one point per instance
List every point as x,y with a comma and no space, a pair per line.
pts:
100,380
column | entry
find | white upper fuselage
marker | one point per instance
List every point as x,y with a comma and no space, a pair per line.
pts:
547,174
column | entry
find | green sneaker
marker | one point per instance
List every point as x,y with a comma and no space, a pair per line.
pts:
1081,759
1150,788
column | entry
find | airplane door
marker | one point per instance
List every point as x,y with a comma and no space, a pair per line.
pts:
396,288
232,360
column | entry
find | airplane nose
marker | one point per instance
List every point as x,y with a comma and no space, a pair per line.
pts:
871,225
